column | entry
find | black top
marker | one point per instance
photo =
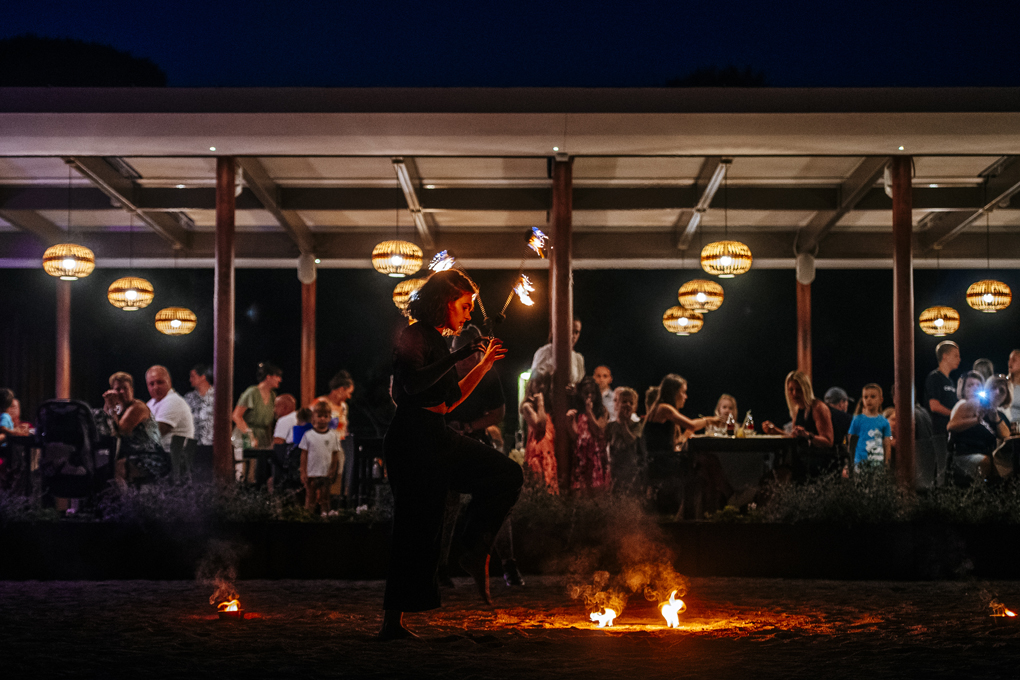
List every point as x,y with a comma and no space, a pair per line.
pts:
487,396
806,419
423,372
840,424
977,439
658,437
937,386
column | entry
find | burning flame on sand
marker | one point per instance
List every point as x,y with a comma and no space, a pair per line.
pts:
999,609
605,619
524,290
231,606
671,610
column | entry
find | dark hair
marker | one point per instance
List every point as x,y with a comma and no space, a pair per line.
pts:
321,408
304,414
668,389
341,379
588,383
6,399
428,305
267,369
204,370
943,348
540,382
121,376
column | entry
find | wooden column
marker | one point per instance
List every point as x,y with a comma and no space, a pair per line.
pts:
307,343
63,385
804,328
903,318
561,310
223,352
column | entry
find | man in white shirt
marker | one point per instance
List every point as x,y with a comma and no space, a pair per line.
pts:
544,360
285,408
172,413
604,378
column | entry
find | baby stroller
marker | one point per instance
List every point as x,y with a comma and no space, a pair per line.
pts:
72,463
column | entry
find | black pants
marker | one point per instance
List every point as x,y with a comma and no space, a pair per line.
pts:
425,460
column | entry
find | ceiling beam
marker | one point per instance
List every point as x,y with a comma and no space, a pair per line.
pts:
268,193
122,191
1002,183
855,188
33,223
709,177
410,184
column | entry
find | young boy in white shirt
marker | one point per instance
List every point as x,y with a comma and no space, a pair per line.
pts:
321,459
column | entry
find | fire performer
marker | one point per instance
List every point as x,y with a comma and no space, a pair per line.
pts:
425,459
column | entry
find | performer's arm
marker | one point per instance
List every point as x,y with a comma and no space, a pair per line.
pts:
417,378
493,353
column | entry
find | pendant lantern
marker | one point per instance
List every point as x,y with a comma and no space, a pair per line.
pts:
701,295
176,321
940,321
682,321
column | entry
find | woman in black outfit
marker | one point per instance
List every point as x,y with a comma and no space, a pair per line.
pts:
812,425
425,459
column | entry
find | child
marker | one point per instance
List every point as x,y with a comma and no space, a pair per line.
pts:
321,459
870,434
626,447
588,420
540,448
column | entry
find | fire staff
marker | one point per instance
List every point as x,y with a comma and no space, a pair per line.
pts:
425,459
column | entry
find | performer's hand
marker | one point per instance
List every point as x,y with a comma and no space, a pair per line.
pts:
494,352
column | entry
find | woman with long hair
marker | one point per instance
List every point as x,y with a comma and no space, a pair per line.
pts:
682,484
812,424
426,460
588,419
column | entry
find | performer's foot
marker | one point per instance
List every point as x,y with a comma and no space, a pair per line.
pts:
476,564
511,574
393,627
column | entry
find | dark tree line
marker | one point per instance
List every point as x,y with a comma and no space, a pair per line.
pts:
34,61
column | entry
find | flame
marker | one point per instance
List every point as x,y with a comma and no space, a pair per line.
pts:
231,606
442,261
537,242
604,620
671,610
524,290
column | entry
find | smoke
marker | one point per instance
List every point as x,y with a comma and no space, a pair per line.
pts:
218,568
631,558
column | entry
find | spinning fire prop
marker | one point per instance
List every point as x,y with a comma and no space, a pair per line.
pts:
442,261
537,242
1001,614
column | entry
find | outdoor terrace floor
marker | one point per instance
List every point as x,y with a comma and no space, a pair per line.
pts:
307,629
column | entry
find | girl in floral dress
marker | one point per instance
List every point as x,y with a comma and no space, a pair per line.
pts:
588,422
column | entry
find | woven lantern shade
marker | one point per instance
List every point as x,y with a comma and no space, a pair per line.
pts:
939,321
404,290
701,295
682,321
397,258
130,293
176,321
989,295
69,261
726,259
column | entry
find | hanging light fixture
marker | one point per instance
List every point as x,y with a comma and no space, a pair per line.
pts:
682,321
726,258
130,293
176,321
397,258
940,321
404,290
701,295
989,295
69,261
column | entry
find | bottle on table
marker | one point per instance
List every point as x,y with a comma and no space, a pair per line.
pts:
731,425
748,423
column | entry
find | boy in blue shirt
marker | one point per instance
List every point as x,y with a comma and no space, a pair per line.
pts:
870,433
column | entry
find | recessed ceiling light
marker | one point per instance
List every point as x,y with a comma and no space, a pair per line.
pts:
556,148
430,186
180,186
901,148
213,148
933,186
317,260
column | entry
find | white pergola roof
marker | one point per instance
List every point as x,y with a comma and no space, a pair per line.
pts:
319,172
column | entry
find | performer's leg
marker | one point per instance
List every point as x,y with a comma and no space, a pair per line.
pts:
449,525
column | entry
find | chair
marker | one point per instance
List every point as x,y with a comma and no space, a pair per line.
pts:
182,457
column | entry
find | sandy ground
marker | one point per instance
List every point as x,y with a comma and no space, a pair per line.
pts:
307,629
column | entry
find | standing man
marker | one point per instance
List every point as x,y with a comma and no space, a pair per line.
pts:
604,378
168,408
544,361
939,390
839,404
1014,379
285,412
200,401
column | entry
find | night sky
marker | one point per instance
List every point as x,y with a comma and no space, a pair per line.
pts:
627,44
